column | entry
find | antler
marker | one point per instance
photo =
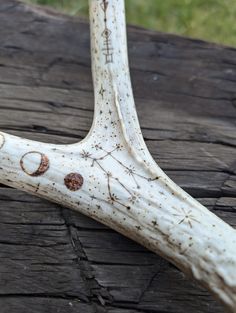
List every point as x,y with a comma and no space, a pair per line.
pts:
111,176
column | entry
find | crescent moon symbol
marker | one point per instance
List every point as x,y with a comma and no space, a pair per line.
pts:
43,165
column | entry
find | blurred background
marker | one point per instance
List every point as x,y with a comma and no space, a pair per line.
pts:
212,20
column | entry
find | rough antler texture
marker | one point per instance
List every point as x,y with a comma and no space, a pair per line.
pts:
111,176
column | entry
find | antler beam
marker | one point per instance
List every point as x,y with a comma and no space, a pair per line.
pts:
111,176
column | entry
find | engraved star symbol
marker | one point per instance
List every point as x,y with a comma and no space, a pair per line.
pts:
102,91
186,217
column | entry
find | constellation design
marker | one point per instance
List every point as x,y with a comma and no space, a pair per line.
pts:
106,34
186,217
133,196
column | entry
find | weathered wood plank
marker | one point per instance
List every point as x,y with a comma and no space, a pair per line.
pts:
56,260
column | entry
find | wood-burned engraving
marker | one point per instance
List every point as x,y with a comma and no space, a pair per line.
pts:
73,181
34,158
106,34
113,179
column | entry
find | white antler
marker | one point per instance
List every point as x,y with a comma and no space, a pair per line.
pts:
112,177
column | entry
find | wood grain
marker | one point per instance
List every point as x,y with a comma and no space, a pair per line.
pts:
56,260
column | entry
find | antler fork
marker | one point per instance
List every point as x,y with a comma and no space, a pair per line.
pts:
111,176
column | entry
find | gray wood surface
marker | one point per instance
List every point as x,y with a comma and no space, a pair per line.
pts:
56,260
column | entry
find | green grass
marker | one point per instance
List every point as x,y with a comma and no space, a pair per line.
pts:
212,20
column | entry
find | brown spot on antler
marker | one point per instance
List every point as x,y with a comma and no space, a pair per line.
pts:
74,181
